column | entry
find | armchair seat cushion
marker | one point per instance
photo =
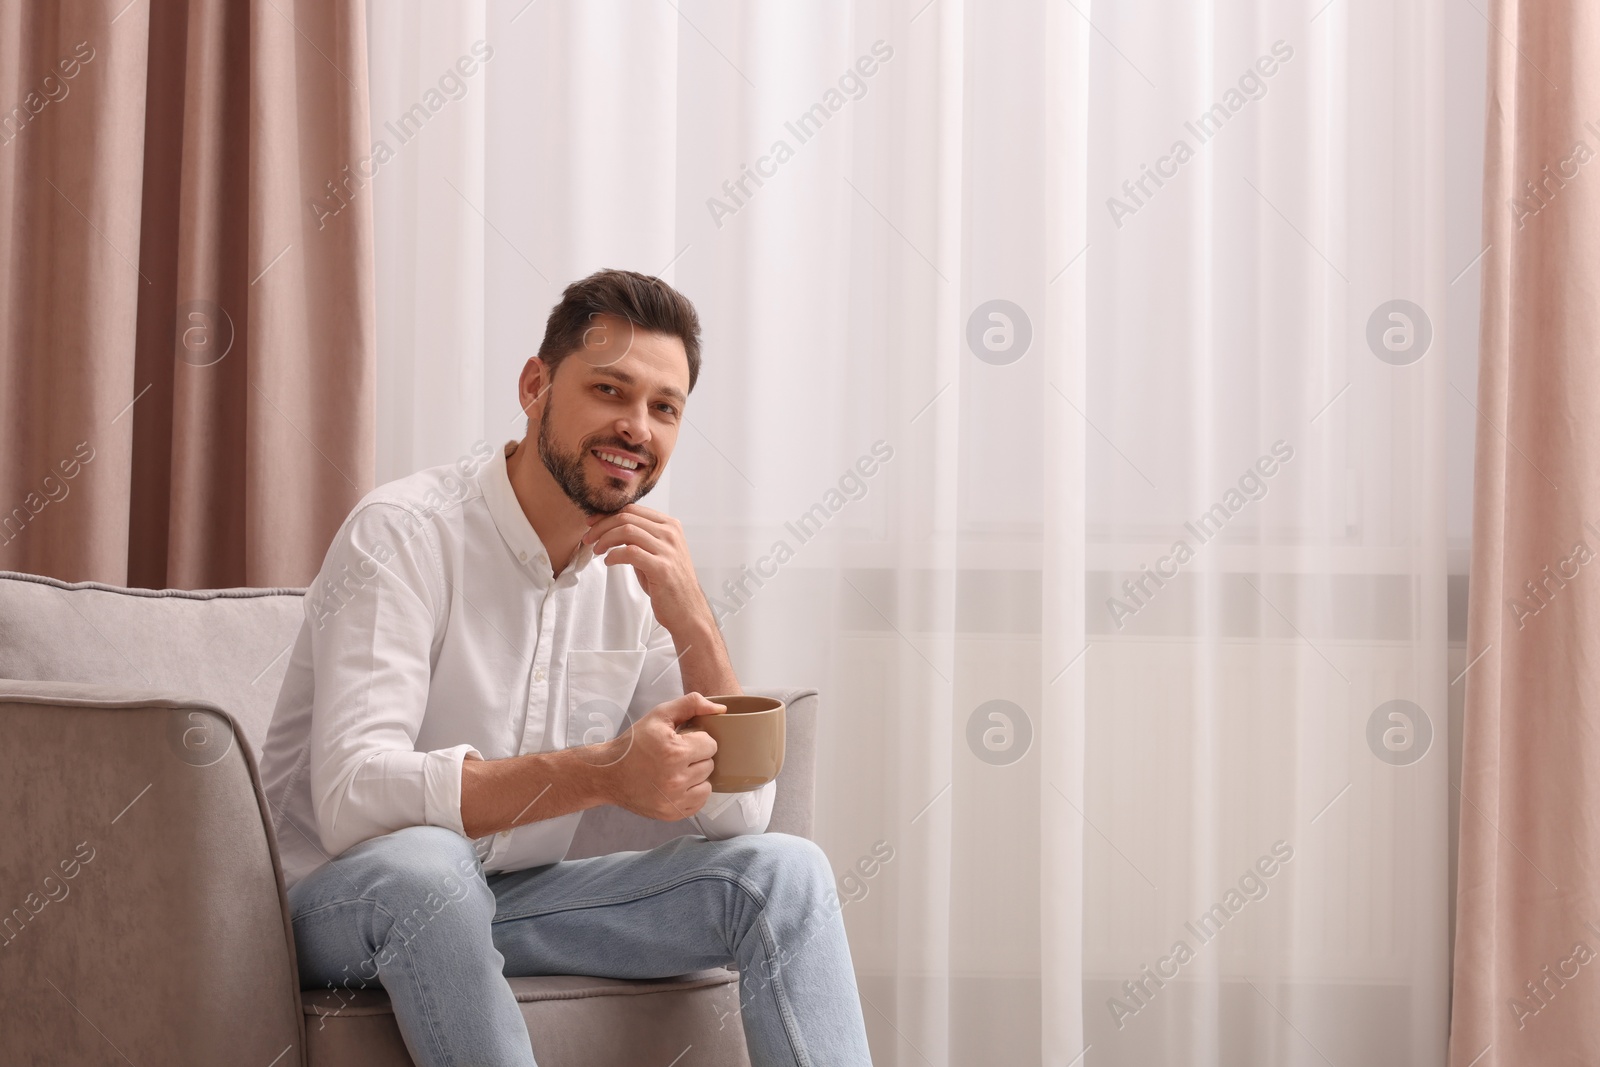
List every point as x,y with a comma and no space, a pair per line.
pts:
572,1020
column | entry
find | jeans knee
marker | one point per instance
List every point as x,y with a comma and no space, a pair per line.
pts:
799,902
789,866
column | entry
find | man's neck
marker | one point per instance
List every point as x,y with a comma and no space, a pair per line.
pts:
559,524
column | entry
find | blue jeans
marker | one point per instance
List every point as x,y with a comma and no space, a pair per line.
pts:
412,911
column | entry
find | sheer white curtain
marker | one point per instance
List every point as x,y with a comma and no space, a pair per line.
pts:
970,369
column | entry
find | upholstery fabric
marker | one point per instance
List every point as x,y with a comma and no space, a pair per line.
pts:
228,646
170,943
572,1022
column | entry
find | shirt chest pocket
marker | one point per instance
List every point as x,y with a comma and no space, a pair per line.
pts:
600,686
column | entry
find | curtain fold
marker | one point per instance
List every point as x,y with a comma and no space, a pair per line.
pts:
971,373
1527,913
187,355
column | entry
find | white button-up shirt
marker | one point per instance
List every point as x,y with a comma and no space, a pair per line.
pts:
435,629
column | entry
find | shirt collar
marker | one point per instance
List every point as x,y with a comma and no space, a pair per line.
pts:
512,521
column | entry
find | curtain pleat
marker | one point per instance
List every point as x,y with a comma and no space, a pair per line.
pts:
1527,913
187,345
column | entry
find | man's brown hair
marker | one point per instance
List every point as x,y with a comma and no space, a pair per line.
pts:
645,301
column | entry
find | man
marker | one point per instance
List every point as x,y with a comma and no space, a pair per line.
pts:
487,652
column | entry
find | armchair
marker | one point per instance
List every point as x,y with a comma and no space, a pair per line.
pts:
142,909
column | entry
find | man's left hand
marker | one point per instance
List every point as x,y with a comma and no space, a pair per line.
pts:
653,543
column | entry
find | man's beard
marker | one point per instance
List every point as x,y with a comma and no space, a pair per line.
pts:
567,469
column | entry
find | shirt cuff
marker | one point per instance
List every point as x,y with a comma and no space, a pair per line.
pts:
718,803
441,786
735,814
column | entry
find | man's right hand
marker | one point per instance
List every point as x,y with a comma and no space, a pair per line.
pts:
655,771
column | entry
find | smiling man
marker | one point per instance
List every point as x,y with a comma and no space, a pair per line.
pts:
483,659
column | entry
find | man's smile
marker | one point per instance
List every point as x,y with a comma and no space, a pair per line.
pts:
618,464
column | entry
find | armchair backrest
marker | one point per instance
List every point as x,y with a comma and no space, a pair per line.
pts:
227,646
231,647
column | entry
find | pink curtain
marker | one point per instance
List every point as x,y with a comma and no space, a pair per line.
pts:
1527,960
186,307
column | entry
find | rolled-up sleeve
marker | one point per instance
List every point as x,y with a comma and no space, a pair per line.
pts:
373,614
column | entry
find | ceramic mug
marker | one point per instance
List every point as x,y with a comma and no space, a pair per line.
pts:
749,737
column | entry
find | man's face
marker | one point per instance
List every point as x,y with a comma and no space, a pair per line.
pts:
622,394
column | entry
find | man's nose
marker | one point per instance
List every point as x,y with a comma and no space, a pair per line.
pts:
634,427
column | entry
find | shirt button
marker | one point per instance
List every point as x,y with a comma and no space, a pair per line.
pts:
538,675
523,556
503,833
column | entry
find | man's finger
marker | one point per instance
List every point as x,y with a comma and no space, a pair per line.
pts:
635,509
599,524
681,709
702,746
653,526
629,534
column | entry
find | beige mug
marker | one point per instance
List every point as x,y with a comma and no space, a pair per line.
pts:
749,737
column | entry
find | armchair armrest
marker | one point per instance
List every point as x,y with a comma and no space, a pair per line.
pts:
141,898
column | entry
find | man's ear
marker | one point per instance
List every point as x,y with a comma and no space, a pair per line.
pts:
532,384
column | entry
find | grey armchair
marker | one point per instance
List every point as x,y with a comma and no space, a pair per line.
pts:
142,909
